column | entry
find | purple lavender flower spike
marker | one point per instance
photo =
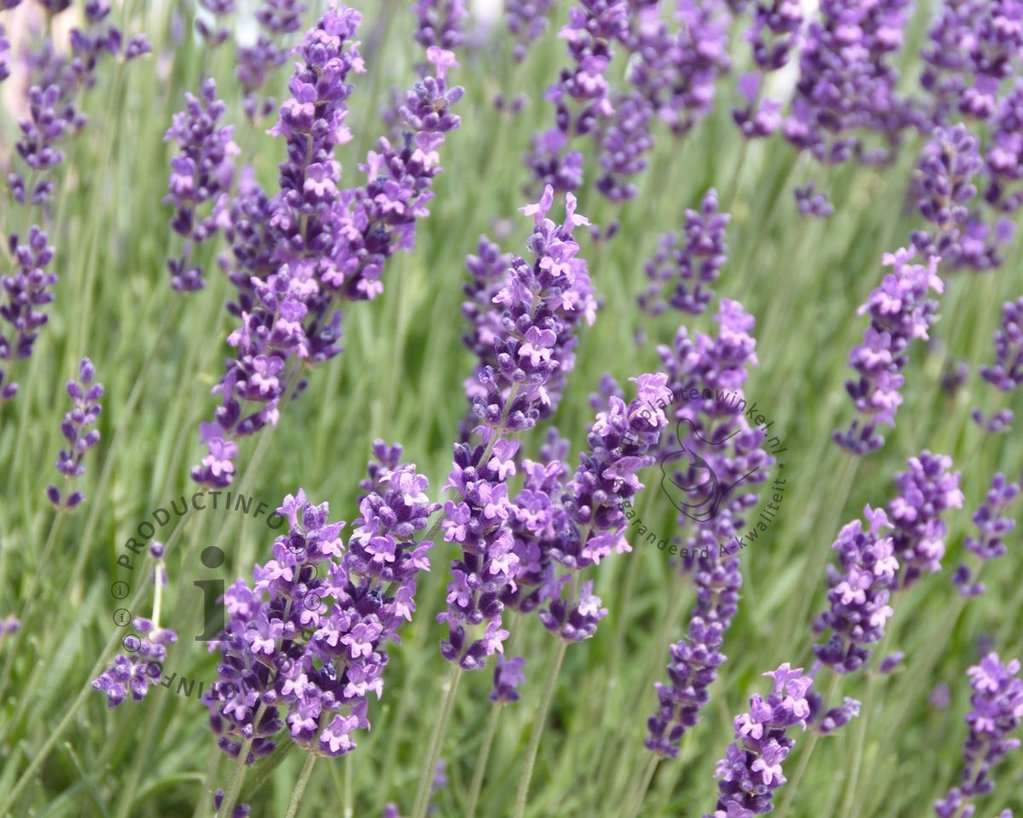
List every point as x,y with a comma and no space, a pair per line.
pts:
751,770
5,47
201,174
858,593
926,490
944,182
47,123
997,710
992,525
687,263
759,118
142,670
849,48
240,811
623,144
1007,372
85,396
696,658
313,244
277,20
23,295
138,46
812,203
440,23
591,522
288,654
716,457
527,21
774,31
1004,159
899,313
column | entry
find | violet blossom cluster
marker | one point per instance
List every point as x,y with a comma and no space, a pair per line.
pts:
708,471
23,295
306,642
277,19
5,48
696,657
1006,374
532,343
900,312
525,317
320,244
527,21
56,80
591,521
926,489
811,202
582,94
859,589
847,87
992,524
997,711
440,23
688,262
77,429
136,673
973,47
201,175
751,770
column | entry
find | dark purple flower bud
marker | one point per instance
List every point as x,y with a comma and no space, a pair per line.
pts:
1007,372
508,676
891,662
812,203
77,431
527,21
838,717
992,524
440,23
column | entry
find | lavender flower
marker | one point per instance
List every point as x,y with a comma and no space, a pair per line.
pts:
899,312
847,88
715,451
76,429
773,33
142,670
751,770
24,293
277,19
527,21
201,173
997,702
812,203
944,180
623,144
998,422
1004,158
926,489
687,263
5,47
322,244
592,520
542,302
992,525
440,23
47,122
8,625
838,717
759,118
1007,372
858,593
507,678
285,650
696,658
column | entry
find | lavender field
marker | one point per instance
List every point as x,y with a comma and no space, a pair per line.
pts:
511,408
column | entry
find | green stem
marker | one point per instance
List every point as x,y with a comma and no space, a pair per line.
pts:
436,741
303,779
11,797
481,761
240,768
644,785
522,794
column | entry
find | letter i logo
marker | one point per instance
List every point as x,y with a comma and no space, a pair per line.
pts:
212,596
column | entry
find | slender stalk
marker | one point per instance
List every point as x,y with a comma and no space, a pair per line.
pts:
436,741
792,787
644,785
481,760
299,791
240,768
11,798
538,726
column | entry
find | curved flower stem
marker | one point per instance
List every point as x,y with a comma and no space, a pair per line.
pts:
804,761
299,791
481,760
644,785
436,741
541,717
240,767
10,799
